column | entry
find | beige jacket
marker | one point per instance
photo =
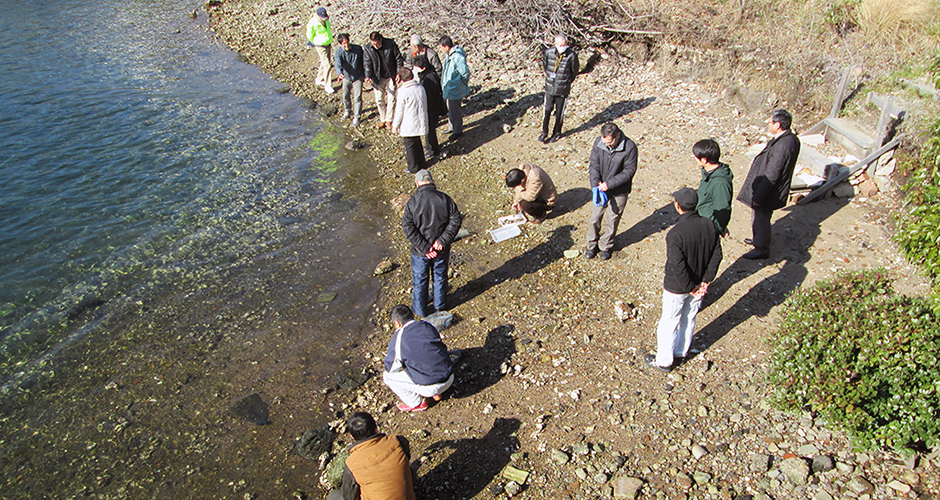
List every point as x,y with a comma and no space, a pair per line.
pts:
537,186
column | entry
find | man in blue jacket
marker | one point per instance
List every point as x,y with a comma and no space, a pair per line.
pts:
455,78
349,67
416,365
613,164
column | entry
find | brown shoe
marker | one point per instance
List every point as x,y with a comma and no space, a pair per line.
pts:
388,125
380,125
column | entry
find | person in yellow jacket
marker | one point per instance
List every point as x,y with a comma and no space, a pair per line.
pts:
321,38
378,465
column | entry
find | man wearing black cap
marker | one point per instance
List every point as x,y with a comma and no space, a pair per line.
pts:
430,222
693,253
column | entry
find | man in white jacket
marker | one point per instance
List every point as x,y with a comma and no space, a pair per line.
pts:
411,117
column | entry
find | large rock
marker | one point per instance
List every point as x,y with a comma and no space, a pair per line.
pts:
823,463
351,378
314,443
796,470
332,477
627,487
441,320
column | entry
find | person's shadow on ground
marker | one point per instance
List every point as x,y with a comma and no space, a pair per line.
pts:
479,367
569,201
794,235
660,219
611,113
472,464
490,126
528,262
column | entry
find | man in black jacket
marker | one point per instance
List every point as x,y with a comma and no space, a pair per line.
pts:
382,60
613,164
561,68
767,186
430,222
693,253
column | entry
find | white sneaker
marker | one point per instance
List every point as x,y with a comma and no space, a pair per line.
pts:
346,115
319,82
355,122
328,89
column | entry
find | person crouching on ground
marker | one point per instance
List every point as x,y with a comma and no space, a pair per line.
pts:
416,365
533,191
377,467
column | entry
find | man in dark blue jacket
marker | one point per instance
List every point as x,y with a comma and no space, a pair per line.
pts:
613,164
561,68
693,253
416,365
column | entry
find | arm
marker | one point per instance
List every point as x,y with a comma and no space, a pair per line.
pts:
337,63
400,105
713,263
779,153
367,62
390,353
453,225
435,61
629,168
350,486
723,195
533,186
574,67
594,167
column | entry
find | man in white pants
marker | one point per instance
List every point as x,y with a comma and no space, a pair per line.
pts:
693,253
417,365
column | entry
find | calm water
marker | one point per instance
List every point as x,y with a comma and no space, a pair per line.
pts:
136,150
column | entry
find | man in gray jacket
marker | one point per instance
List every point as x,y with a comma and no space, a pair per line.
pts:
613,164
561,68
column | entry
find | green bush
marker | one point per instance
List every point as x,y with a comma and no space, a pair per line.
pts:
863,358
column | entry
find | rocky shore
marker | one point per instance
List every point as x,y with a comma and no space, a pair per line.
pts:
552,399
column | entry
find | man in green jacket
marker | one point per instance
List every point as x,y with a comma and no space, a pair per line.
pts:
714,191
321,38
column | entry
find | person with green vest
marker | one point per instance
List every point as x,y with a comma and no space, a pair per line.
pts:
320,38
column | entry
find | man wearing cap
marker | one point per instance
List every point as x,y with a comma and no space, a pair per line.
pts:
417,365
348,62
418,48
693,253
411,117
561,67
321,38
430,222
382,60
767,185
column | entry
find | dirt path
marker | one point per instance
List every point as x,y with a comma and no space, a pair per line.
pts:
552,382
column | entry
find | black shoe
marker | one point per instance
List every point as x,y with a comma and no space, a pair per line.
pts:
590,253
755,255
454,137
542,137
605,255
748,241
651,362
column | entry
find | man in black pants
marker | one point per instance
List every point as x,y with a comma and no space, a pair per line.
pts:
561,68
767,186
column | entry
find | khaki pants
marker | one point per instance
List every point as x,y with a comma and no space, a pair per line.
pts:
385,98
326,64
613,210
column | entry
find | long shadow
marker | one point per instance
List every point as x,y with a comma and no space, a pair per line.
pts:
794,235
658,220
473,463
480,366
569,201
528,262
490,126
611,113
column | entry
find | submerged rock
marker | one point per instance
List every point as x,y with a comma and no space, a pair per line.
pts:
251,408
383,267
352,378
356,145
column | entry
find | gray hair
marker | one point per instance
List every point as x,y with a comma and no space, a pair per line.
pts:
561,38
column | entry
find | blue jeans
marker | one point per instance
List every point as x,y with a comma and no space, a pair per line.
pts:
421,270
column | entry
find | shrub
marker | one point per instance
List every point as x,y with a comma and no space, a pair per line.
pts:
863,358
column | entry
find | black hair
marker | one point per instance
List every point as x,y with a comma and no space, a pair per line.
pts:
375,36
514,177
610,130
361,425
341,37
401,314
707,149
445,41
783,117
423,62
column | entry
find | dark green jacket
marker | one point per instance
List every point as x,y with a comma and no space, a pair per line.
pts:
714,196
